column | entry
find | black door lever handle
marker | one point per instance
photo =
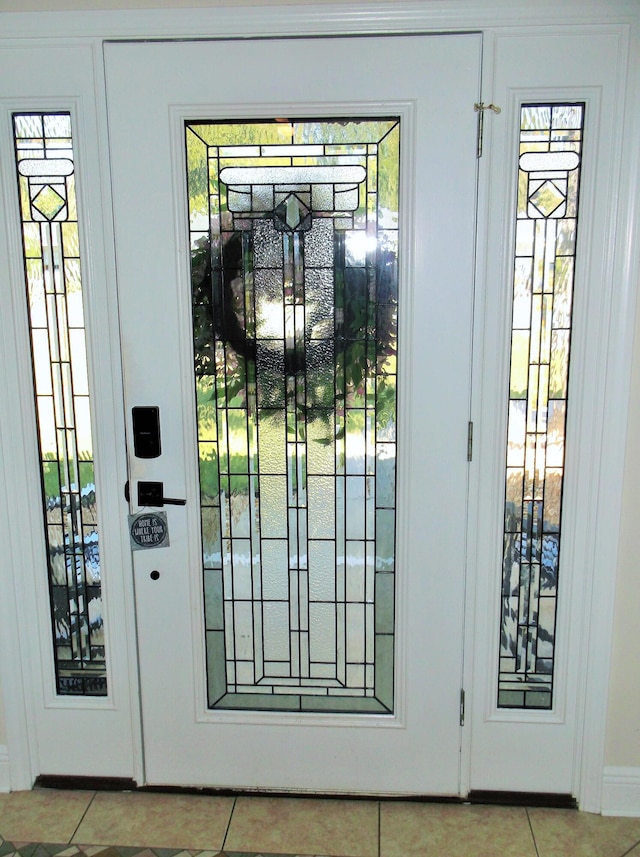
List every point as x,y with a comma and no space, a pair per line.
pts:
152,494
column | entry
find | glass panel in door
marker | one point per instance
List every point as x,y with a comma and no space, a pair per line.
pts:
294,237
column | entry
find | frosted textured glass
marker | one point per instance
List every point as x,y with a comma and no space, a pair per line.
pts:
273,501
322,634
321,503
275,575
322,570
276,635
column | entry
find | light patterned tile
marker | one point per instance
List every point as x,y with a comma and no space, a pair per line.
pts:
304,826
568,833
42,815
147,820
453,830
265,854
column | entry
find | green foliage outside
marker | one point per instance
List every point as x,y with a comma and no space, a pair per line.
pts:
52,469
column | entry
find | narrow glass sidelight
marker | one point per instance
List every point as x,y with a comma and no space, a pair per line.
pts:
294,242
546,228
46,186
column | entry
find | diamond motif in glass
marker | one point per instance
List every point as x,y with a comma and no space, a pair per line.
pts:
292,215
48,202
547,199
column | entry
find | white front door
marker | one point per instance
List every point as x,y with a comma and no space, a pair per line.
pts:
303,628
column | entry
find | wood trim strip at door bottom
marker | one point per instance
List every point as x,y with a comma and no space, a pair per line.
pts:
477,796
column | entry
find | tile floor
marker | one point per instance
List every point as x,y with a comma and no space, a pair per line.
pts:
49,823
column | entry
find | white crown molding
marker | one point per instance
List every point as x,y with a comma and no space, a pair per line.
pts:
407,16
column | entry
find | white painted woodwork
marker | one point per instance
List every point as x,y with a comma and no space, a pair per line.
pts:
151,89
66,735
541,749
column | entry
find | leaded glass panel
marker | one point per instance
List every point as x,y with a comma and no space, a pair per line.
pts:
546,227
294,237
46,186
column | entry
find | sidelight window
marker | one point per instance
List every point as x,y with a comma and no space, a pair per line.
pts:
549,165
51,253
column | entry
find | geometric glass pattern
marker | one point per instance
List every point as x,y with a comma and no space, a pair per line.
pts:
543,279
46,186
294,243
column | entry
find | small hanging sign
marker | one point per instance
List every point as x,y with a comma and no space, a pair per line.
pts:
149,530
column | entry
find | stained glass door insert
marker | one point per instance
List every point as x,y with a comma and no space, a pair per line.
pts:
294,243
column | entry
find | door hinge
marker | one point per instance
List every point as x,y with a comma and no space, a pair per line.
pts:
480,107
461,707
470,441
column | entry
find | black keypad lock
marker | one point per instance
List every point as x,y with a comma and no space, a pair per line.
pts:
146,432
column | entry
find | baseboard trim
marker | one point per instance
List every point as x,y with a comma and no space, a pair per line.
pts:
5,772
621,791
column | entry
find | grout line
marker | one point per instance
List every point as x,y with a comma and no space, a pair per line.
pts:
226,833
630,849
533,836
93,797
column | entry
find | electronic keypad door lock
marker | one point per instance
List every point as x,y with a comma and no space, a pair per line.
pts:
146,431
152,494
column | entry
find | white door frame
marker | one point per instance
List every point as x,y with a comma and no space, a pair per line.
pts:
514,75
613,330
69,86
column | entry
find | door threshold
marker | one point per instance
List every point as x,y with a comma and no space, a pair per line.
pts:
91,784
543,799
475,797
300,795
